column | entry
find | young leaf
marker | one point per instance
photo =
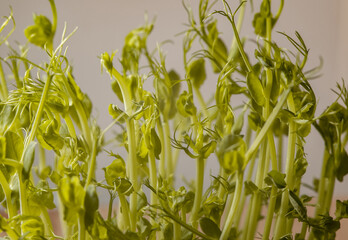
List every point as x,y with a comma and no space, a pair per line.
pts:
277,178
196,72
256,89
209,227
91,204
298,205
41,32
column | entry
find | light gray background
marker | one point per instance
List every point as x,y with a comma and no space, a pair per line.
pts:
102,26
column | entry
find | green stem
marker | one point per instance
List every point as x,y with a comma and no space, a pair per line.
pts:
133,172
254,146
177,231
38,115
243,200
92,164
11,211
153,177
236,198
70,126
125,211
3,84
240,45
303,231
281,221
47,222
198,192
81,226
234,46
202,103
162,162
111,201
270,213
256,201
168,151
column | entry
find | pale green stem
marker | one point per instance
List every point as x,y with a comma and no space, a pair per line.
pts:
70,126
125,211
92,164
162,162
177,231
256,200
81,226
11,211
280,229
133,172
243,200
168,151
234,46
203,104
47,222
153,176
198,192
3,84
236,198
240,46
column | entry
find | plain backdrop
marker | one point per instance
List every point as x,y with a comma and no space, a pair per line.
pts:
103,25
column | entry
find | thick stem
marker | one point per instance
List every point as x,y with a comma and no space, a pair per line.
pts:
125,211
229,221
281,221
153,177
198,192
81,226
92,164
133,172
11,211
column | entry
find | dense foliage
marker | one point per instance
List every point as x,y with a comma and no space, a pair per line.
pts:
259,178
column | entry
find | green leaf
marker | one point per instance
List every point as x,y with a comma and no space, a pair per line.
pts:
32,227
71,193
209,227
117,169
196,72
42,195
91,205
185,105
28,159
156,143
168,231
342,168
116,112
250,187
277,178
124,186
298,205
41,32
14,146
341,209
256,89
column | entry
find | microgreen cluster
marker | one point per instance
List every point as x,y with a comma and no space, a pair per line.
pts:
49,141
